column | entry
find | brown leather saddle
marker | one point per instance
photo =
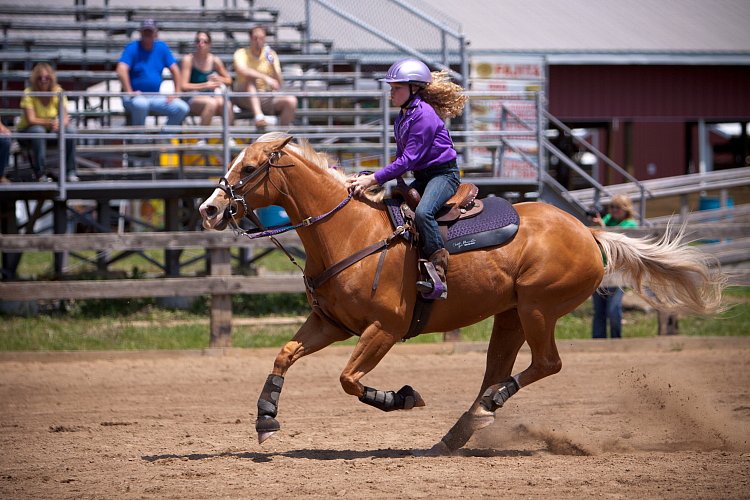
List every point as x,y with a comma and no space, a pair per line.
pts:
461,205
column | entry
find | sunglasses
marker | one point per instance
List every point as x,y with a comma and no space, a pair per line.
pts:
200,41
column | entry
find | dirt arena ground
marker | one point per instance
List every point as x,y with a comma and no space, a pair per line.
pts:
637,418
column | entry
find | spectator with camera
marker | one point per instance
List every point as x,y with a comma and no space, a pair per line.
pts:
608,299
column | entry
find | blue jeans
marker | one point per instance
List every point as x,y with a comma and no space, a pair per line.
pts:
436,185
39,149
139,107
4,153
607,306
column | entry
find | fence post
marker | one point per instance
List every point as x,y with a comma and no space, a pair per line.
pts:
59,209
452,336
221,304
668,323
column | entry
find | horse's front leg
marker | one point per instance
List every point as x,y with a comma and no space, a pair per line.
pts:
372,346
314,335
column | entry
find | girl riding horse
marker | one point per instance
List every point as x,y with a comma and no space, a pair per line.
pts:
424,147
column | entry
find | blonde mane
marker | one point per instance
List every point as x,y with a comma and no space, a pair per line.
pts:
304,149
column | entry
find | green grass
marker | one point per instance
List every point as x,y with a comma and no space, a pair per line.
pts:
141,324
48,333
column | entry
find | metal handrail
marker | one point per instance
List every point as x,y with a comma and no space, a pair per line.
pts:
445,32
608,161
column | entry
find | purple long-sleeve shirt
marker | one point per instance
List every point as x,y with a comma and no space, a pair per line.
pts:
422,141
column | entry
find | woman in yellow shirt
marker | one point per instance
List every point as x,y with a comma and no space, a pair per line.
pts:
40,115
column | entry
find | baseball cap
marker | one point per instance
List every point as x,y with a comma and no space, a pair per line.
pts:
148,25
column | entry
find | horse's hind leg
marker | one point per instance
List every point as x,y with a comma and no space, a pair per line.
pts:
505,342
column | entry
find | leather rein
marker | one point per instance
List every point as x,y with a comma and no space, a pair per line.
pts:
311,284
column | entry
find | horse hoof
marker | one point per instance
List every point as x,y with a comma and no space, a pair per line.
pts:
439,450
412,399
482,421
262,436
266,427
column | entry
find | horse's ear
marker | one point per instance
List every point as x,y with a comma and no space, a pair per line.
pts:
283,144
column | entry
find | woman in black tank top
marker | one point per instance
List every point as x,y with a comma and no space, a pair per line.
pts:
204,73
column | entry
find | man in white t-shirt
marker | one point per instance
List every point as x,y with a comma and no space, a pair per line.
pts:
258,70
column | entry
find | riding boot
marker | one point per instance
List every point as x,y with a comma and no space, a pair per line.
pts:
437,287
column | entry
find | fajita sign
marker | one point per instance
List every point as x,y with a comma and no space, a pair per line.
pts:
514,113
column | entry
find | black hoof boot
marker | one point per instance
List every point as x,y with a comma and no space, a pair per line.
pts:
266,424
496,395
405,399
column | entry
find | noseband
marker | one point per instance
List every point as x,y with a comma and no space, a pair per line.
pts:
235,191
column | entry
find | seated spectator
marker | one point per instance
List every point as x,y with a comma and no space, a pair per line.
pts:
5,142
139,70
204,72
41,115
258,70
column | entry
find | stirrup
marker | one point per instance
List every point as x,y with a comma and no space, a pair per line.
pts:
439,291
435,288
424,286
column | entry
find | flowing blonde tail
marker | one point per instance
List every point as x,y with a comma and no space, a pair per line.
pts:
666,272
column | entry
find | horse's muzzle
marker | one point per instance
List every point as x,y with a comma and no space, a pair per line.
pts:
213,218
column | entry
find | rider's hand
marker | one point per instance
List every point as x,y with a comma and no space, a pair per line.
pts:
358,185
597,219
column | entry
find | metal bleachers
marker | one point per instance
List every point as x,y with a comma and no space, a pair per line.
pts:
671,186
80,37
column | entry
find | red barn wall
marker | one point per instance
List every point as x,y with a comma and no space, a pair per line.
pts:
653,104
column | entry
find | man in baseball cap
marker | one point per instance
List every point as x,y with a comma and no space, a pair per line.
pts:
140,68
148,25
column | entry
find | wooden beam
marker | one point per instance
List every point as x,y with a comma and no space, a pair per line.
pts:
703,231
163,287
139,241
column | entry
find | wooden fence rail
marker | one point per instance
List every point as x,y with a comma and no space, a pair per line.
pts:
220,284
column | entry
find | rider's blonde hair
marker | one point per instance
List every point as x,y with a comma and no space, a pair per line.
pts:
445,97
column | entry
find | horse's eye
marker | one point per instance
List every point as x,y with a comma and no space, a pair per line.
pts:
248,169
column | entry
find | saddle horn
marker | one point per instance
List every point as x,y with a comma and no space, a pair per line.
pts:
410,195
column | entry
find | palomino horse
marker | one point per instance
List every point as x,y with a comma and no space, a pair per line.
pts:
552,265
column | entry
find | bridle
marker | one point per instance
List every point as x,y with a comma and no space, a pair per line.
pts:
236,197
235,193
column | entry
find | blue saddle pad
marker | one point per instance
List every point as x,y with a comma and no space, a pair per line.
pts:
494,225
